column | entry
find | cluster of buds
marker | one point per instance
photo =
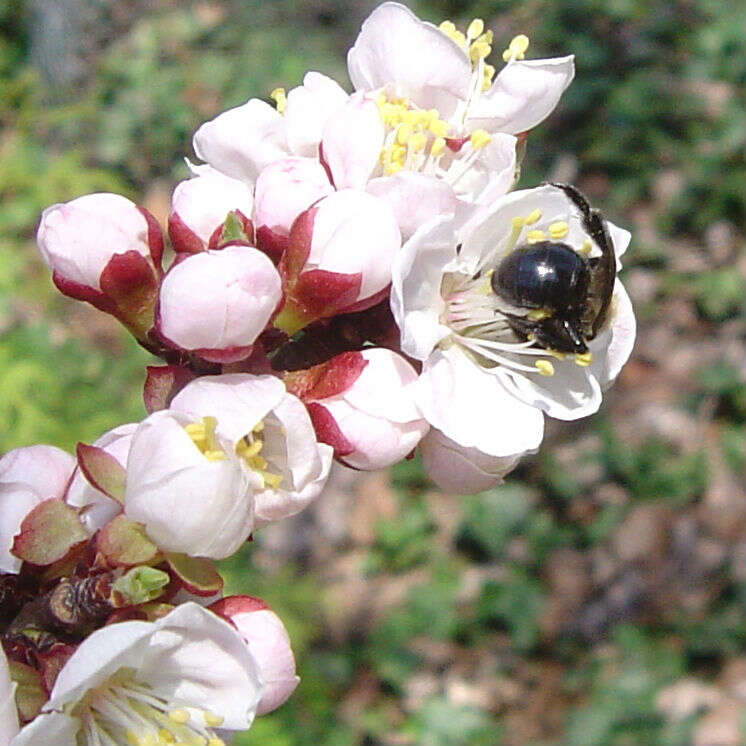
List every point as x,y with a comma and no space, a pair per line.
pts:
351,277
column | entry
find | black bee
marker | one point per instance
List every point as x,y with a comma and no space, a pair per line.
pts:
568,294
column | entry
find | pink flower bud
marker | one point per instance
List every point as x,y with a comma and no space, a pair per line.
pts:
28,476
338,258
362,406
462,470
217,303
200,205
268,642
78,239
284,190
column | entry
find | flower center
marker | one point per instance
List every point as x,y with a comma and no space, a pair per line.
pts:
477,45
477,315
203,436
249,449
126,712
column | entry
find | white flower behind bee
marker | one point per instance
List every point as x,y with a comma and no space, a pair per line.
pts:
483,385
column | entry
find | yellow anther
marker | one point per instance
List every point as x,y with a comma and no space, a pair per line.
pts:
584,360
517,222
149,739
479,139
132,739
533,217
488,72
212,720
381,100
216,742
258,427
478,51
417,142
179,715
486,37
404,133
438,127
558,230
534,236
476,27
247,450
517,48
202,434
392,168
215,455
166,736
538,314
585,249
273,480
438,146
398,154
447,27
544,367
280,99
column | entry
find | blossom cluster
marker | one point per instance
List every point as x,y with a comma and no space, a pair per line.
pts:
351,277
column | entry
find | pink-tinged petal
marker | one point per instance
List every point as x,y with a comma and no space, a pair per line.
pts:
45,469
16,502
240,142
327,379
351,218
415,199
417,273
415,59
524,94
218,300
474,408
78,239
285,189
309,107
464,471
268,642
352,142
200,205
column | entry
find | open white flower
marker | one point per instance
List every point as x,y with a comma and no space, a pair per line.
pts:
170,681
186,486
485,384
270,433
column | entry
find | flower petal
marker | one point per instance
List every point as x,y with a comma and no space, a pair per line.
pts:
523,95
52,727
414,58
240,142
474,408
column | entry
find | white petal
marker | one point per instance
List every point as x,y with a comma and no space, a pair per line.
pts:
523,95
352,142
309,107
8,711
473,407
415,198
48,728
17,500
571,393
238,401
196,658
415,286
45,469
618,347
464,471
413,58
240,142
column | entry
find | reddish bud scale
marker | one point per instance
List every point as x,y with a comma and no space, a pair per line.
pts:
327,430
328,379
162,383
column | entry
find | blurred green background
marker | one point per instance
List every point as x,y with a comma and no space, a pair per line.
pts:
596,599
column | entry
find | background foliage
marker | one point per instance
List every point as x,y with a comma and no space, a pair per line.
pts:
598,598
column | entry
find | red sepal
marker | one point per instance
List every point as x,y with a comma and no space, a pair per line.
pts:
155,238
183,238
298,246
327,430
321,293
82,292
162,383
232,605
271,243
328,379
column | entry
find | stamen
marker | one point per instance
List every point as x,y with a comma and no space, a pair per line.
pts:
476,27
583,360
516,49
535,236
585,249
544,367
202,434
558,230
533,217
280,99
479,139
